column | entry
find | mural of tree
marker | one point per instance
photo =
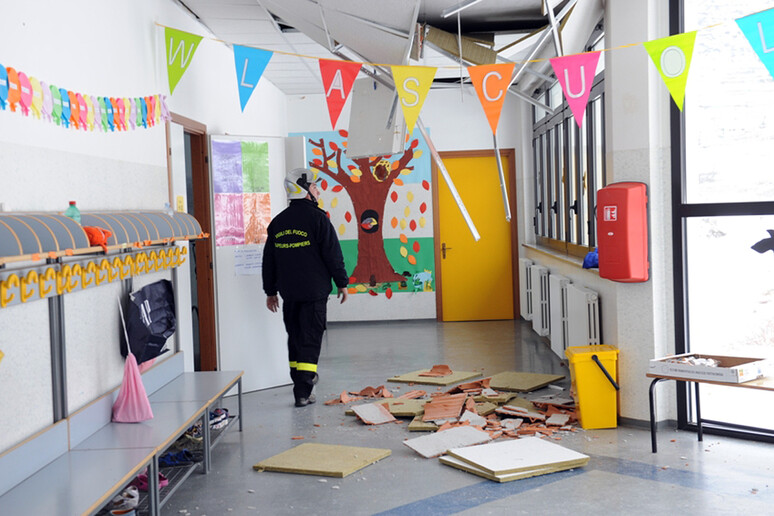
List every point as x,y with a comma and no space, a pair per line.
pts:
367,181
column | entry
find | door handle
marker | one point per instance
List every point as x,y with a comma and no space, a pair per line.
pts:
444,249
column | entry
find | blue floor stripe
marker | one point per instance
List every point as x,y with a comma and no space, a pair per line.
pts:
487,491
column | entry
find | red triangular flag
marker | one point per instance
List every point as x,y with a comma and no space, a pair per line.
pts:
337,77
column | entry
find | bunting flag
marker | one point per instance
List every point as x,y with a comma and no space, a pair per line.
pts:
672,57
575,73
338,78
181,47
3,86
758,28
491,83
250,64
412,83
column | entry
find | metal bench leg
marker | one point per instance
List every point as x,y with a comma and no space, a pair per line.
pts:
153,487
698,414
239,397
652,398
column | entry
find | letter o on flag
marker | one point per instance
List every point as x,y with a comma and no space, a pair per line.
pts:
672,62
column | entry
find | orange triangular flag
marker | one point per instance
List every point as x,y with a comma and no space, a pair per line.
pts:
491,82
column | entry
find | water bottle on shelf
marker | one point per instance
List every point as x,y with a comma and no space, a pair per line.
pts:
168,209
73,212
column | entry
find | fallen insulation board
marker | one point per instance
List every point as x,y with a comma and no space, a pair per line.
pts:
519,455
459,464
438,443
417,425
400,407
522,382
413,377
485,408
330,460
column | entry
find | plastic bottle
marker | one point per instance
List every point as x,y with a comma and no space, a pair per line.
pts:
168,209
73,212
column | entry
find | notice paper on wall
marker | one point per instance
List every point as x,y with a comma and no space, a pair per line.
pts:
247,260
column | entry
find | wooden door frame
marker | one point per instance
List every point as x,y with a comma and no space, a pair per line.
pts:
205,282
510,156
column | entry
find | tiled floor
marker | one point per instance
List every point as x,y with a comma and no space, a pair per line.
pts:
718,476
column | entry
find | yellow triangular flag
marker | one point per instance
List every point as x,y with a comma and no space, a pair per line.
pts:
412,83
672,57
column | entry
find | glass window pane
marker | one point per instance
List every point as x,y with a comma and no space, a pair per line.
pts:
556,95
730,310
560,181
572,168
729,114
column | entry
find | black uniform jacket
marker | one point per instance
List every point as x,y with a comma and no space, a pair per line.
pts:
302,254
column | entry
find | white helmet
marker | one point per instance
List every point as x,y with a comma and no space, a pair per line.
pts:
297,182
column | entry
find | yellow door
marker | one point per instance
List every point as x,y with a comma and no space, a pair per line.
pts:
476,280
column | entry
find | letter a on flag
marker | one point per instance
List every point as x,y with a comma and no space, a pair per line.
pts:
181,47
672,57
491,82
576,76
338,78
412,83
250,64
758,28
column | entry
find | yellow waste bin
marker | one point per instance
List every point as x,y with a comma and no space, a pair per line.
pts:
593,370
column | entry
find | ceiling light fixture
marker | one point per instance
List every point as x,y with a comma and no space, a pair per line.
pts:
454,10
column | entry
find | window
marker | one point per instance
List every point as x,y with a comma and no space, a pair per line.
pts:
569,166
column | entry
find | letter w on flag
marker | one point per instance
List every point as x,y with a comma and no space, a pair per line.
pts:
180,47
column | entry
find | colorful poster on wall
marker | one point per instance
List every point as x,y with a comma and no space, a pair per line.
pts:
381,208
240,179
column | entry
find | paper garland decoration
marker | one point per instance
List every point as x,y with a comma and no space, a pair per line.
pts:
672,57
575,74
338,78
758,28
29,96
250,64
180,47
412,83
491,82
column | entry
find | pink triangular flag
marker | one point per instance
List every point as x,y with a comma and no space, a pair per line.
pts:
576,75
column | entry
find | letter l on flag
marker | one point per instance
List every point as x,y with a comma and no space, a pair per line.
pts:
250,64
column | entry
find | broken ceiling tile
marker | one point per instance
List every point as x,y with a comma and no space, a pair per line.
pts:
373,413
473,418
438,443
444,407
438,370
414,377
558,419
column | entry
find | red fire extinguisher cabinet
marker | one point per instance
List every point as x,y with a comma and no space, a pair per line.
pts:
622,232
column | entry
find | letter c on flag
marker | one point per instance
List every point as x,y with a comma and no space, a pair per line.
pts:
672,62
486,92
415,82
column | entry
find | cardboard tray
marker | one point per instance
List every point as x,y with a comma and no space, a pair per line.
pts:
730,370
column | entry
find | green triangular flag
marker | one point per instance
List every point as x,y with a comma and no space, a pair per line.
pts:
181,47
672,57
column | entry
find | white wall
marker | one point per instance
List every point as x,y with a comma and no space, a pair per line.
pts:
107,49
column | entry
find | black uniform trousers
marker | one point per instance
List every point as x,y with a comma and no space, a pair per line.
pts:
305,325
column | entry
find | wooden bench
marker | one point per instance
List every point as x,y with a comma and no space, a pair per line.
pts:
766,384
77,465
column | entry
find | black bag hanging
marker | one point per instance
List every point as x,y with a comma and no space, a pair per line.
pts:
150,319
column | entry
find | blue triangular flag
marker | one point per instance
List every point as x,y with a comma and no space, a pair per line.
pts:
250,64
758,28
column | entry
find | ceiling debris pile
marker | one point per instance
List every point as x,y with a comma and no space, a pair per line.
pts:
509,406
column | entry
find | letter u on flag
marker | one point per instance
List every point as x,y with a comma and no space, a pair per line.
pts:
412,83
338,78
491,83
576,76
180,47
758,28
250,64
672,57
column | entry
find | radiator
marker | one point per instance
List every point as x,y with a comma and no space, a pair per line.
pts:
525,289
582,316
557,297
540,315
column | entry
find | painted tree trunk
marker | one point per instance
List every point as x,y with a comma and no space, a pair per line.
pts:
372,263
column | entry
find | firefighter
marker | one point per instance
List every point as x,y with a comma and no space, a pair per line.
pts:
301,257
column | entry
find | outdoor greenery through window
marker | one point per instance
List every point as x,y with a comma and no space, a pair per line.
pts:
569,166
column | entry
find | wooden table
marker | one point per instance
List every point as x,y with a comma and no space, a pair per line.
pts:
765,384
